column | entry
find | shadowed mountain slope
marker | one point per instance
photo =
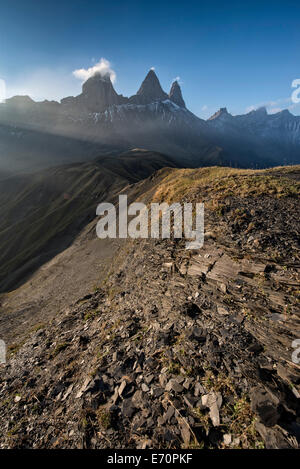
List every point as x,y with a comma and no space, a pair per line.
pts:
41,213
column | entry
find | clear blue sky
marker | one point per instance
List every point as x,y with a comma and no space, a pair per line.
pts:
234,54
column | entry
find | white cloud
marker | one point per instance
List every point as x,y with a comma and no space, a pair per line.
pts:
204,108
103,67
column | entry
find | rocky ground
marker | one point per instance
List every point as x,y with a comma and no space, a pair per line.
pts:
175,348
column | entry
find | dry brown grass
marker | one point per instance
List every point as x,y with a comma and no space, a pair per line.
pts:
223,182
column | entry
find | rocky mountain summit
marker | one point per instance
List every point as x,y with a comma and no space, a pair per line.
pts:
150,91
220,115
176,95
171,348
98,94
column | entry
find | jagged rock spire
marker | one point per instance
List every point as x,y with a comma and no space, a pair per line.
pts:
98,93
150,89
175,94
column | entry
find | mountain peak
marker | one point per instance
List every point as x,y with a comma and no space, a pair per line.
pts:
151,74
286,113
20,101
175,94
260,111
98,93
96,80
151,90
151,77
222,112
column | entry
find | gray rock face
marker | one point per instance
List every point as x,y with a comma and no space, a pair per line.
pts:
175,94
265,404
150,90
97,95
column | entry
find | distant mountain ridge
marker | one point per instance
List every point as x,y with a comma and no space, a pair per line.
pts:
276,135
101,120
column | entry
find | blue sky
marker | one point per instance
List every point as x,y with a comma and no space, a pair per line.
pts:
234,54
